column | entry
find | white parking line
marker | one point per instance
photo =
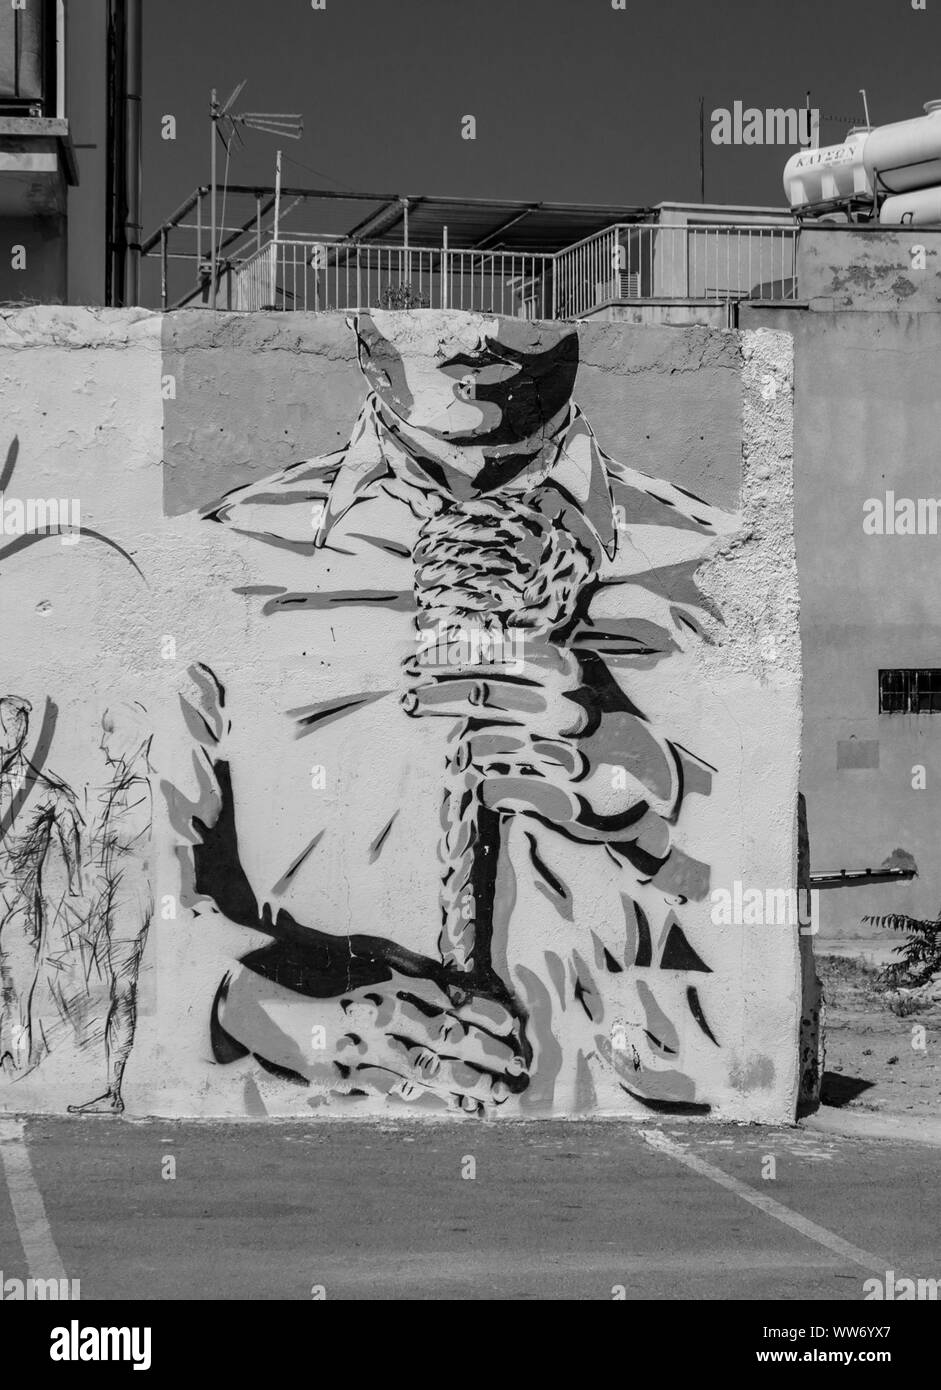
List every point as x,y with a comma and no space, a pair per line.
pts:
42,1258
768,1205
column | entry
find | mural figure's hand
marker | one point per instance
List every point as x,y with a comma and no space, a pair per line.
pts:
403,1036
546,746
410,1039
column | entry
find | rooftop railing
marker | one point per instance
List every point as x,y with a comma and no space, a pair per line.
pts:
636,262
322,275
714,262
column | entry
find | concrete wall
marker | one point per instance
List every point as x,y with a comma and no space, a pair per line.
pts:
870,269
666,312
43,243
868,422
429,773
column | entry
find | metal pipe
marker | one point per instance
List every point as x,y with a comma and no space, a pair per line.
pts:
133,177
849,878
117,151
702,150
192,201
212,183
277,196
444,267
866,107
236,233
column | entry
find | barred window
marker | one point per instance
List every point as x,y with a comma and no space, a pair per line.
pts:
910,691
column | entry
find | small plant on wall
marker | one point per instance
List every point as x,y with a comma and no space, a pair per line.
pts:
402,296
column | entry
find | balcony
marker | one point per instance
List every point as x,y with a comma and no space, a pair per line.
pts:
697,262
37,166
536,269
711,264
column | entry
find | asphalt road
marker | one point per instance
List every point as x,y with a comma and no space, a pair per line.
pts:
561,1210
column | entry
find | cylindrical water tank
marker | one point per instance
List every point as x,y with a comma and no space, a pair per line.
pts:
907,154
818,178
919,209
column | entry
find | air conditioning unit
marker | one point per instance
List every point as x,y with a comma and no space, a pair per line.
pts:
625,285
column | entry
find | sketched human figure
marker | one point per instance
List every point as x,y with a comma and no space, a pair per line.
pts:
499,897
122,902
35,810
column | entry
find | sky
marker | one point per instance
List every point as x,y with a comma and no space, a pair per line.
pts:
574,100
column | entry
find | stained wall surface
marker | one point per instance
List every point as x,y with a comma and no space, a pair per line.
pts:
866,436
407,719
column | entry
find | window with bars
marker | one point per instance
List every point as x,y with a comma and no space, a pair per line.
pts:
915,690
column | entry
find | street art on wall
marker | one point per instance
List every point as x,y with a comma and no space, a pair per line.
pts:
75,893
121,900
400,779
36,808
525,917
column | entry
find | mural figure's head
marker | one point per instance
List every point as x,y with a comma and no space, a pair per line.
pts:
125,733
14,725
468,379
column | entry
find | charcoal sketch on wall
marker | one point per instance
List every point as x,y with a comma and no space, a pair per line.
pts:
121,905
459,783
75,891
37,809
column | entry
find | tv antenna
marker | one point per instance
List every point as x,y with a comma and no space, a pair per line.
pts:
225,126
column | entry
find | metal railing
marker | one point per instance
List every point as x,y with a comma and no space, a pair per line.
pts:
308,274
256,280
262,264
701,262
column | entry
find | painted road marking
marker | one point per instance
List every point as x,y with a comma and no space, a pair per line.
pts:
768,1205
42,1258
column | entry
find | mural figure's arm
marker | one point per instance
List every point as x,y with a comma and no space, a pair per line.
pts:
296,506
391,1024
69,827
559,741
59,809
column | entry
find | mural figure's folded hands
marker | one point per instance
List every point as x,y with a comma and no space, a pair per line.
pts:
509,904
405,1036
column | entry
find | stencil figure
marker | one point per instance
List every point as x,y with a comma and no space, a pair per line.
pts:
499,896
122,903
36,810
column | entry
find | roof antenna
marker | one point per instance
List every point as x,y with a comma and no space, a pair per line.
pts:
225,126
